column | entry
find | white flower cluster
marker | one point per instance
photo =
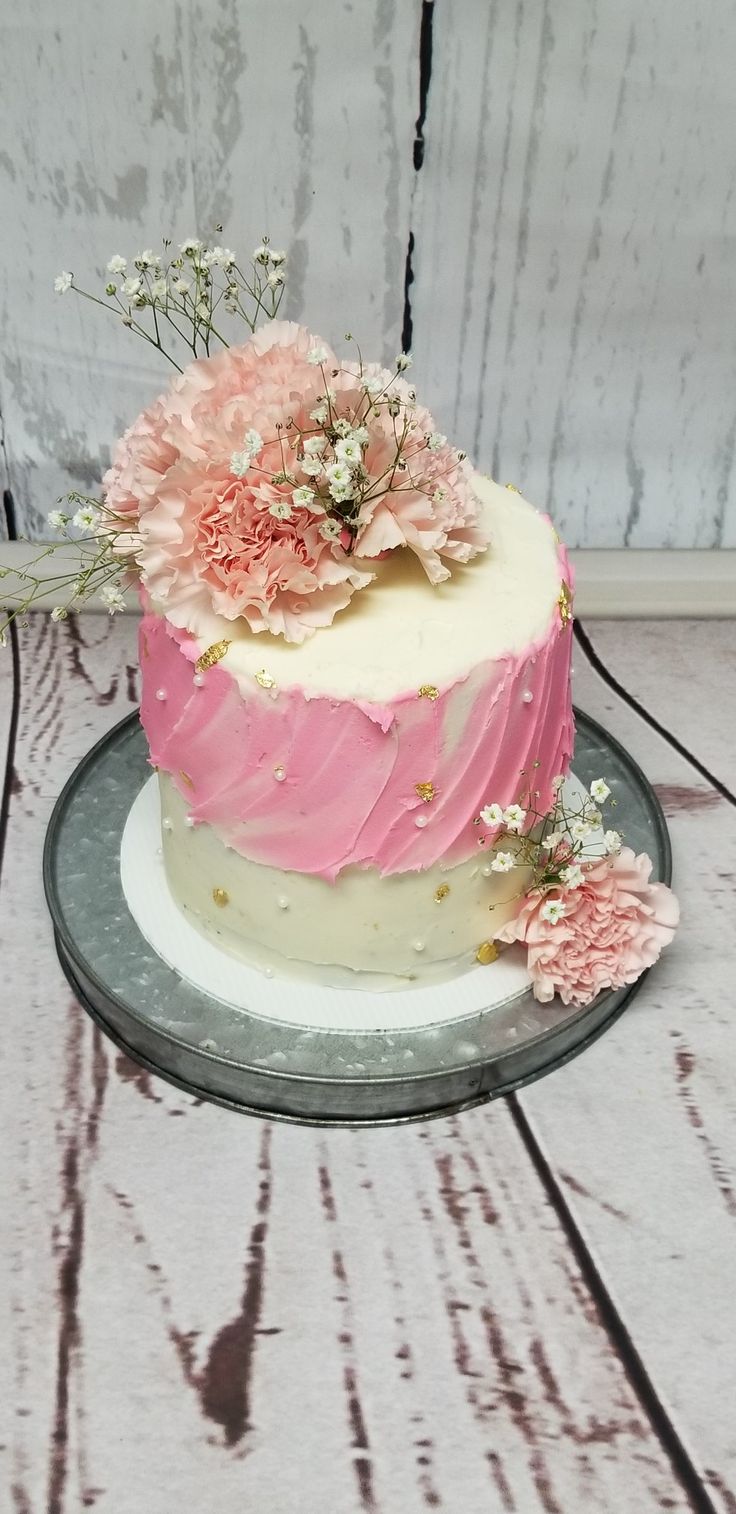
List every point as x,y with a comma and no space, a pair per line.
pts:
556,855
187,290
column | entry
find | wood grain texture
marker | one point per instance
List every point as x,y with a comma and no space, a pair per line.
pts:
555,186
573,226
201,1311
641,1131
121,126
691,690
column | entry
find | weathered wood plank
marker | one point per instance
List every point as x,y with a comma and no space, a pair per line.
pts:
641,1131
385,1321
684,674
573,225
298,124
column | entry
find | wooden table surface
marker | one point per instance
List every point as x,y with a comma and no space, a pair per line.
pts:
528,1307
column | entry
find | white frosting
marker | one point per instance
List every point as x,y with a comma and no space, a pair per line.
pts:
369,931
402,631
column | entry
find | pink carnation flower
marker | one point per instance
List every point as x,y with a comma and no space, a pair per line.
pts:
614,926
234,539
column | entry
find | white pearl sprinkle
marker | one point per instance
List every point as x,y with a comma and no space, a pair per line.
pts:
199,679
283,902
279,774
159,851
268,972
421,821
527,696
160,693
486,870
189,820
419,945
167,823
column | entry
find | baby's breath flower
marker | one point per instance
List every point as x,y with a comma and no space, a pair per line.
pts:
182,286
343,426
440,495
112,599
553,910
503,862
330,529
319,414
303,495
275,279
278,259
339,478
580,830
348,451
572,876
492,815
59,612
147,259
436,441
281,509
312,467
313,445
240,463
514,817
86,518
599,790
190,247
253,442
553,840
202,310
404,361
57,520
612,842
361,435
62,282
117,264
131,288
373,386
262,254
593,816
317,355
557,783
159,289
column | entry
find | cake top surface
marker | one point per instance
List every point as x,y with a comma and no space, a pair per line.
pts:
403,631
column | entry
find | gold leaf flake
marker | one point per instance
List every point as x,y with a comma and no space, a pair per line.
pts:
426,791
211,656
428,691
564,601
441,892
186,779
487,952
512,488
264,680
221,897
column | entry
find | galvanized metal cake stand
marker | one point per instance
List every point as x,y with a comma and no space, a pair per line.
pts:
268,1068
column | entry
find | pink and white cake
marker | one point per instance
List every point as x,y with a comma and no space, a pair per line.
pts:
320,800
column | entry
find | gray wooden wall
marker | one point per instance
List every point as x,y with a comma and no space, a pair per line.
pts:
539,195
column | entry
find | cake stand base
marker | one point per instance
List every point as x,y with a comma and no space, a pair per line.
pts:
259,1065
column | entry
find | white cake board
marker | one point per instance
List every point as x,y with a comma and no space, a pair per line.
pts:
289,1000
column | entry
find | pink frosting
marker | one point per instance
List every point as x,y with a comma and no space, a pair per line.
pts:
348,795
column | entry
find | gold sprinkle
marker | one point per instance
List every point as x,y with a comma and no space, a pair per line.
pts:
487,952
441,892
186,779
211,656
513,489
564,601
221,897
264,680
428,691
426,791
